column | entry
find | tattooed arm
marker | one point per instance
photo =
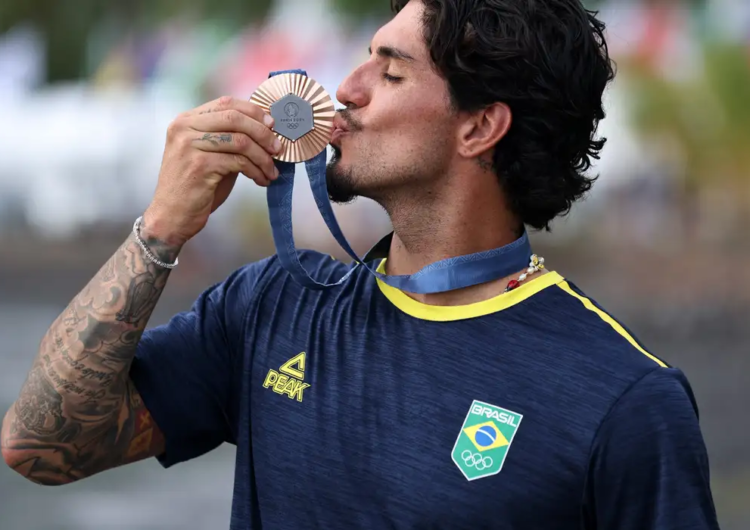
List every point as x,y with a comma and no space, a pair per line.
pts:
78,412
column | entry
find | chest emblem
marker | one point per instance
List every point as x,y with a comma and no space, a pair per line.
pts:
289,379
484,440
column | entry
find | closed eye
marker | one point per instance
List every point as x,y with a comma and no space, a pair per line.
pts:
391,78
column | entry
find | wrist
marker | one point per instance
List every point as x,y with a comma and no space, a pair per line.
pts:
163,240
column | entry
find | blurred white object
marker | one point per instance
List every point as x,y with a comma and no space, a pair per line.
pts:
22,61
75,156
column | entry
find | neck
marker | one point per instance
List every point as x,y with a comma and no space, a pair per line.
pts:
433,226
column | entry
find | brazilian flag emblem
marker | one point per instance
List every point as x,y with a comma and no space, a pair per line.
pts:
484,440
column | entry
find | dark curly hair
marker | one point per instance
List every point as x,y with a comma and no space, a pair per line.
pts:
548,61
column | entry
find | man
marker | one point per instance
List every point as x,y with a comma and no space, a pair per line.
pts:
518,403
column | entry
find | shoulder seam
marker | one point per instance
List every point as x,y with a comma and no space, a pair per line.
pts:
253,298
616,326
614,404
262,281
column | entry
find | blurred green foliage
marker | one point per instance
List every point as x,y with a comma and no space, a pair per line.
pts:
67,24
363,8
706,114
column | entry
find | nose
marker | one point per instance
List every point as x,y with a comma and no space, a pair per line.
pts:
353,91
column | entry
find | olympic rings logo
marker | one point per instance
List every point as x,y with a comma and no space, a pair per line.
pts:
292,125
476,461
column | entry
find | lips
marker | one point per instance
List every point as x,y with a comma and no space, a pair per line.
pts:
336,136
340,128
339,124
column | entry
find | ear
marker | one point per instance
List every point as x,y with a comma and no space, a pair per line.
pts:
483,129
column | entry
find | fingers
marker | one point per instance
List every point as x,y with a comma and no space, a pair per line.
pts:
226,163
228,108
240,144
223,103
234,120
238,135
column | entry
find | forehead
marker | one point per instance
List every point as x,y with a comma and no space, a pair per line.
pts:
404,32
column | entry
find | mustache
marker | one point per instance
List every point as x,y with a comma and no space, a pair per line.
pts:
351,121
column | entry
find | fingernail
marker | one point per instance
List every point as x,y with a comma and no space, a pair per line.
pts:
277,145
268,120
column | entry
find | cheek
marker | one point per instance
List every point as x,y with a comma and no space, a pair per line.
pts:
407,127
399,109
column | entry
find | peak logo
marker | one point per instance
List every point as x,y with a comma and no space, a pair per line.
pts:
289,380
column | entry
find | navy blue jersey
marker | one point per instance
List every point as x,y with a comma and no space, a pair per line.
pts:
361,408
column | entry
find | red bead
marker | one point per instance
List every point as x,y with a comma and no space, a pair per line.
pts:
513,284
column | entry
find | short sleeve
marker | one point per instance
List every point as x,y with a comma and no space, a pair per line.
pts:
186,370
649,468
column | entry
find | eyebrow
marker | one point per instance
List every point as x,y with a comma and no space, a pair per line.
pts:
390,52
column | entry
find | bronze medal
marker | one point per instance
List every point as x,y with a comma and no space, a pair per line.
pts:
303,113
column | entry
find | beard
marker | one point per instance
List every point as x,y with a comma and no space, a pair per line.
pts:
340,182
386,185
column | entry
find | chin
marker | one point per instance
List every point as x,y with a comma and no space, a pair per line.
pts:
340,180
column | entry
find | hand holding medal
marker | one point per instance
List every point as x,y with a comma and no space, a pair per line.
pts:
206,149
289,119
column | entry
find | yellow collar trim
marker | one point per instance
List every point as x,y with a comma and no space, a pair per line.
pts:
462,312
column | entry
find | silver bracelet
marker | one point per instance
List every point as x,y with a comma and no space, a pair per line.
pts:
149,254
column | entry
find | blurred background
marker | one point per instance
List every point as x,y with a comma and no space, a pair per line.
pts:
87,89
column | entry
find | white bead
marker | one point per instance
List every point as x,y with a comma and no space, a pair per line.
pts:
522,277
541,260
531,270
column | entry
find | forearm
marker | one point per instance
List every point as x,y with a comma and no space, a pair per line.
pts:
74,414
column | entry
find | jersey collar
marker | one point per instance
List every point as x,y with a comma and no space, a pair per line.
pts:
464,312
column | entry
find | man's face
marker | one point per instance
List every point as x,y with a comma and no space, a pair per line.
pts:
398,132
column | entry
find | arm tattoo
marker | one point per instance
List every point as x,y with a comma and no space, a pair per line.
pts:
78,413
216,139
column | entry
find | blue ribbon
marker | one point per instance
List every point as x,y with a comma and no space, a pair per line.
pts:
441,276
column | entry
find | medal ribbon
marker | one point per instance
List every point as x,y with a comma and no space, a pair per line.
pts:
441,276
